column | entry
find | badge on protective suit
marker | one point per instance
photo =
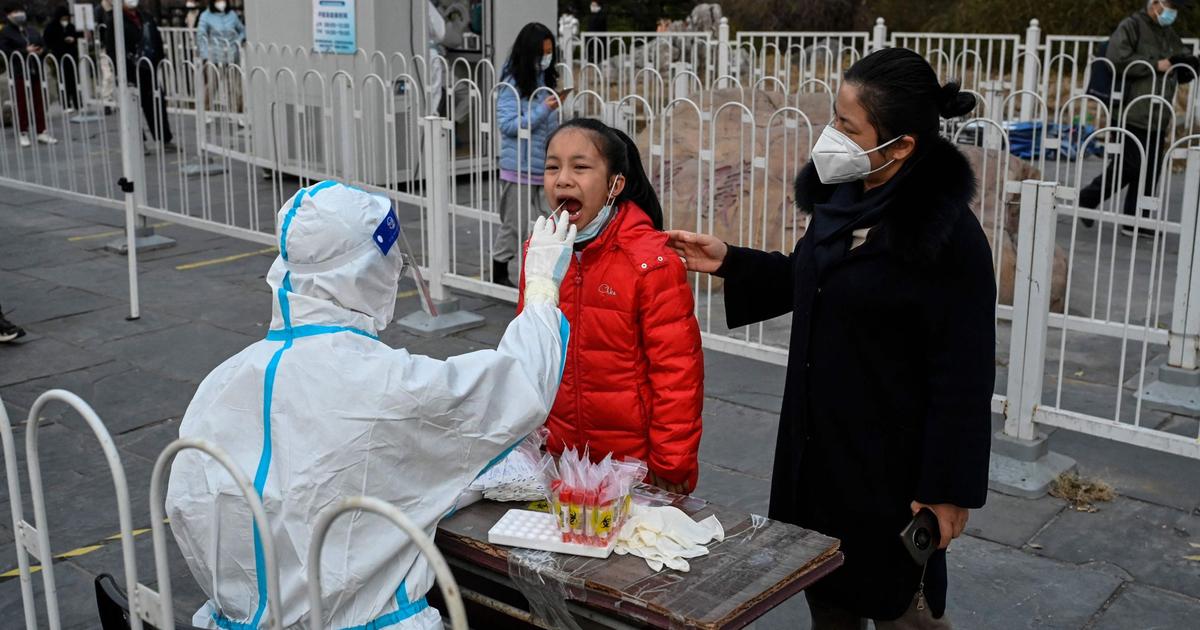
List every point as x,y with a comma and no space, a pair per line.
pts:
387,232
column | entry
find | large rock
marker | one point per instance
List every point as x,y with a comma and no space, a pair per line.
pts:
752,201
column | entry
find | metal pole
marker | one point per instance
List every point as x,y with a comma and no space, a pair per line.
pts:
127,181
1185,316
1031,305
879,34
437,168
1033,38
723,50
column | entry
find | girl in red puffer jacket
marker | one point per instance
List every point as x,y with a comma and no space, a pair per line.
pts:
634,377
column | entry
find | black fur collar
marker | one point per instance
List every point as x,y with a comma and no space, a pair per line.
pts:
923,209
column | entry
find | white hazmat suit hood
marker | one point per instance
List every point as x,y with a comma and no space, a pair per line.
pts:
322,410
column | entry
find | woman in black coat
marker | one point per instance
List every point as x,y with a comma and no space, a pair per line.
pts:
892,358
61,38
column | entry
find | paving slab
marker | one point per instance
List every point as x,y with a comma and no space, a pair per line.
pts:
790,615
43,357
1149,608
96,328
737,438
148,441
1170,480
34,253
81,506
19,198
1148,541
124,397
23,223
187,352
39,301
1011,520
186,593
441,348
76,598
733,489
231,308
744,381
996,587
103,274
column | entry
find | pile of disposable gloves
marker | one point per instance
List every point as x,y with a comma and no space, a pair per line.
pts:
665,536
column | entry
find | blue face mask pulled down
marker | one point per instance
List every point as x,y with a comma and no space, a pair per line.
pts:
1167,17
597,224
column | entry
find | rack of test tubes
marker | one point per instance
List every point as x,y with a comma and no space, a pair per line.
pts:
591,500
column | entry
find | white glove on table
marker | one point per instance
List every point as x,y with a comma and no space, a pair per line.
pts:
666,536
547,259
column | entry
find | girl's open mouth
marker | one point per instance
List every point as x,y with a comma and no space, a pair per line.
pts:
572,206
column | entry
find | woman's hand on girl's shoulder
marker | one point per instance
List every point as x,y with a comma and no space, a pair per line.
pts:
700,252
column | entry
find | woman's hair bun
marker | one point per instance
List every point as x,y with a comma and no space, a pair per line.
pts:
953,102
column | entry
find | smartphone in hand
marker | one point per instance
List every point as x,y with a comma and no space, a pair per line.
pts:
921,536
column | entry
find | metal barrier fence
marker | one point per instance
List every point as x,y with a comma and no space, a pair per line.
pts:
147,605
721,145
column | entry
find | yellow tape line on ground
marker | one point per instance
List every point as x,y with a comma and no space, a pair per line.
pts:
74,553
217,261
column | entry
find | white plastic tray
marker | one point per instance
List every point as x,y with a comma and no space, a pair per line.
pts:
539,530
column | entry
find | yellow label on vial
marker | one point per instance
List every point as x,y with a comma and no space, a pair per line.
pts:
575,515
602,520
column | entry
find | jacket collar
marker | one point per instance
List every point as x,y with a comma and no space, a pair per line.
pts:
922,209
628,216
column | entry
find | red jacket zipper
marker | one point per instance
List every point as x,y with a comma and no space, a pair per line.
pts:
575,352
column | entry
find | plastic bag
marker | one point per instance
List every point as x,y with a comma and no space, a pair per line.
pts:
520,475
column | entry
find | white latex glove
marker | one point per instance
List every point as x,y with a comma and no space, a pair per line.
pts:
547,259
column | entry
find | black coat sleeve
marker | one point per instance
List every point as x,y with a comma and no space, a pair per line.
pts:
962,373
55,37
758,285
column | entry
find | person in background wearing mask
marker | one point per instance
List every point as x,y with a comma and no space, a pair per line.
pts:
143,41
192,18
887,406
634,382
324,410
1146,37
23,50
219,39
531,67
61,39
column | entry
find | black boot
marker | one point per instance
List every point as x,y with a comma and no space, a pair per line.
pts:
500,273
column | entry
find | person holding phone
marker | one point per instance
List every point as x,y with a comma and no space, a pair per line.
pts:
526,101
891,367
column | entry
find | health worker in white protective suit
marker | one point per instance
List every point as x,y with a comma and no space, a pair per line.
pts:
321,410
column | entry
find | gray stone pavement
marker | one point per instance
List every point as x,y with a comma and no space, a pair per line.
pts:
1023,563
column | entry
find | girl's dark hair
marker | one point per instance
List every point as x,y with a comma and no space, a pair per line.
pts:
902,96
622,156
524,60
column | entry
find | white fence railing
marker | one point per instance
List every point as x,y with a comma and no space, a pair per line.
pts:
147,605
721,142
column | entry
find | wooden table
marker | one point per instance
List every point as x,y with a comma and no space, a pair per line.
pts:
760,564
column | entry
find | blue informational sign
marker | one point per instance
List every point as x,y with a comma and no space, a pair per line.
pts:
333,27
